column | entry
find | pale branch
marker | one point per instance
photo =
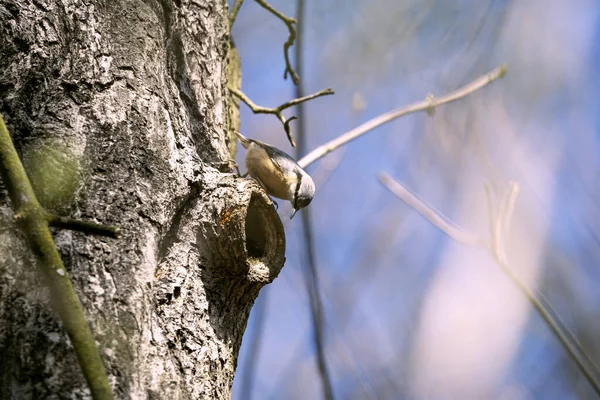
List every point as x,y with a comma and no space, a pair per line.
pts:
426,105
494,243
513,193
234,11
499,226
500,220
498,241
289,22
278,111
582,360
557,318
505,212
33,221
88,227
326,169
432,215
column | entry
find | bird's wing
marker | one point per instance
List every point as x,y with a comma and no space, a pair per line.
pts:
275,154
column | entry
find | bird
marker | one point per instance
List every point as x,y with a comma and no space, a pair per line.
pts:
278,173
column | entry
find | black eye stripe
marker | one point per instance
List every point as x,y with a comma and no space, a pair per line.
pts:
298,183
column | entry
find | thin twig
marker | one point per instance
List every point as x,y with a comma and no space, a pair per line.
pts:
499,223
289,22
559,321
428,104
583,361
32,219
513,192
494,245
88,227
302,99
277,111
432,215
234,11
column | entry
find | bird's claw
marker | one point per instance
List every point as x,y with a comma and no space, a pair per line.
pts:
237,168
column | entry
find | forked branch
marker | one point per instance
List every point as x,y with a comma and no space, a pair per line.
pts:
277,111
289,22
34,220
500,220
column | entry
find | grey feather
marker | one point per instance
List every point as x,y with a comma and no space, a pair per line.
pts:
290,182
278,157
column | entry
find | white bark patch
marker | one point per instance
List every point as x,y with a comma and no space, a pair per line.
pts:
95,285
174,154
54,337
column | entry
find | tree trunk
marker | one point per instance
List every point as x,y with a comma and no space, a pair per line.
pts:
131,99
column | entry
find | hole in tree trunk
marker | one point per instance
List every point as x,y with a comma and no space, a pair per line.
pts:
256,229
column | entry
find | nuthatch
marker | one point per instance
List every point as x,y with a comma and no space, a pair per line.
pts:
278,173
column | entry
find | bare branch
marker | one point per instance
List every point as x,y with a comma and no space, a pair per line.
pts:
501,228
426,105
505,212
428,212
265,110
289,22
584,362
497,228
493,244
510,209
277,111
88,227
32,219
297,101
326,169
234,11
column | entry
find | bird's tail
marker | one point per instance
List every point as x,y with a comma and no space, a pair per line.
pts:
243,140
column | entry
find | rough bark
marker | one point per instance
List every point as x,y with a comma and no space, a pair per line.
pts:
135,95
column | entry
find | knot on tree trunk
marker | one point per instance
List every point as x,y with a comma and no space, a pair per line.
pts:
248,239
228,234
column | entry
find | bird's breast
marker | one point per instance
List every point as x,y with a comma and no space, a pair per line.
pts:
261,167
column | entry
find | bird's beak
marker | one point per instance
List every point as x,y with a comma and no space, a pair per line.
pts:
293,213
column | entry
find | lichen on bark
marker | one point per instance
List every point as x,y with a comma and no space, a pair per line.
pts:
234,78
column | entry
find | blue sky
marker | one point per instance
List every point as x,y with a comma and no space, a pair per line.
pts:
376,257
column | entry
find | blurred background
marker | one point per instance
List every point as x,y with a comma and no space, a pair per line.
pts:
409,313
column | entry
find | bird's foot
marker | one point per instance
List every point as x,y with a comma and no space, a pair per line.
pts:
237,168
